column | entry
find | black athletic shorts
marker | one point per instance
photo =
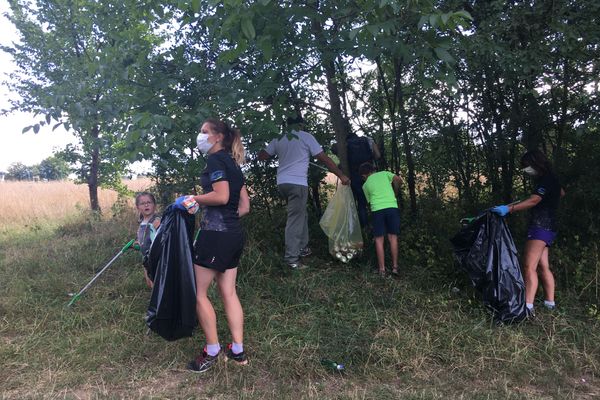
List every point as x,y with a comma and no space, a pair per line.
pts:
219,250
386,221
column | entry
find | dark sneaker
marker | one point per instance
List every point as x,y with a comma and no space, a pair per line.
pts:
239,358
530,313
305,252
296,266
203,362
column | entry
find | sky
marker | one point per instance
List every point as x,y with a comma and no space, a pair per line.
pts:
28,148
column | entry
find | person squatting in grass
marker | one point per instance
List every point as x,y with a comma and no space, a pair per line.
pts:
149,223
541,231
221,240
380,190
294,150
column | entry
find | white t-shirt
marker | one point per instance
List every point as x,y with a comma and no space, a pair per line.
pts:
294,155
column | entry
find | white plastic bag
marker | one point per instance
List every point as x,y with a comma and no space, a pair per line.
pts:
341,225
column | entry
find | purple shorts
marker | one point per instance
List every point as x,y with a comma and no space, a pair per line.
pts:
535,233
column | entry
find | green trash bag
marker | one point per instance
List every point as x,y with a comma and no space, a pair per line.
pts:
340,224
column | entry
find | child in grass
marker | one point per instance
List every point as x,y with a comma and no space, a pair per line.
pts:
149,223
380,190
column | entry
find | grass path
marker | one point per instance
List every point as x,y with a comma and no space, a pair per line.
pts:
417,337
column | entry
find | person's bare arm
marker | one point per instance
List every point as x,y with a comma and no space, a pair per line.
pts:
218,197
532,201
263,155
324,158
396,184
244,205
376,152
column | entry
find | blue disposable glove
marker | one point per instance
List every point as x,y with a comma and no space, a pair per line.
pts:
186,203
179,203
500,210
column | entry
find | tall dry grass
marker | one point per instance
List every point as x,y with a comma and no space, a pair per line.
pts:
28,203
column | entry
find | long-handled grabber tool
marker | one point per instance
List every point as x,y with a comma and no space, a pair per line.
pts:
75,297
466,221
318,166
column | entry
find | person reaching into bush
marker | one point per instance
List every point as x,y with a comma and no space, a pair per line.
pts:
380,190
149,223
294,150
220,243
541,231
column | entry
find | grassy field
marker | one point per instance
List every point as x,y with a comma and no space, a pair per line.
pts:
29,204
423,336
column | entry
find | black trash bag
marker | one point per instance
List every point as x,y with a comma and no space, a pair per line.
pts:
486,251
172,309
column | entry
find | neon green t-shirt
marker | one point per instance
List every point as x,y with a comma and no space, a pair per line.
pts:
379,191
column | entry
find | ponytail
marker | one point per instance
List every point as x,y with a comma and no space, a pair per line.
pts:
232,139
237,148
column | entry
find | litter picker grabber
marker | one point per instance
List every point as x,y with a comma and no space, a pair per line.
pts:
466,221
196,238
318,166
127,246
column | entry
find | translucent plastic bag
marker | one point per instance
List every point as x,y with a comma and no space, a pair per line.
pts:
340,224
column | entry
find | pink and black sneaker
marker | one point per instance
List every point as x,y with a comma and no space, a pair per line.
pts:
239,358
203,362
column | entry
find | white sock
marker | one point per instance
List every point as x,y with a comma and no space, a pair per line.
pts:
213,349
549,303
237,348
529,306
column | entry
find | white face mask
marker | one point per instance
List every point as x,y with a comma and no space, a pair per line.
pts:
203,144
530,171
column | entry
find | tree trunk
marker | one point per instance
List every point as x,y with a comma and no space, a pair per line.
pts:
328,63
562,122
94,167
410,164
337,118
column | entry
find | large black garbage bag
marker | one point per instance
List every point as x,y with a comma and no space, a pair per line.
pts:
172,309
486,251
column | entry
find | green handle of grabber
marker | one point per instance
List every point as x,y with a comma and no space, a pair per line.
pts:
74,299
128,245
78,295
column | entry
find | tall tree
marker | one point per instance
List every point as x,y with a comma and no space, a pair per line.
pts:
73,59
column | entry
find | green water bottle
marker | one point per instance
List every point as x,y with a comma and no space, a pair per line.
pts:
333,365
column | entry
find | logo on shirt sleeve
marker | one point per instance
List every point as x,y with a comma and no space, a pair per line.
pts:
541,191
217,175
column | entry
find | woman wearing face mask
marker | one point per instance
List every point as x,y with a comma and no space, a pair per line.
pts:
541,231
221,240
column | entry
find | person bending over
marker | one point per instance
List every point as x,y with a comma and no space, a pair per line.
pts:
380,190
